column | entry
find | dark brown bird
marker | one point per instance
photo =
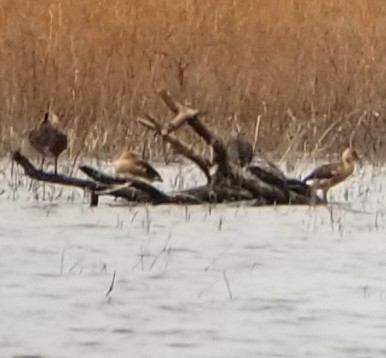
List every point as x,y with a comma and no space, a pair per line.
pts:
128,165
46,140
328,175
239,151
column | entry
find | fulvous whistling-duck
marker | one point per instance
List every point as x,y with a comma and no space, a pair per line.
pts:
46,140
329,175
239,151
130,166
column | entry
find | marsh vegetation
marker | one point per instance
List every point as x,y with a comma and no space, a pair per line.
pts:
310,73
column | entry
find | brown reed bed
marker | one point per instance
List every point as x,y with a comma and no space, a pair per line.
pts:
313,72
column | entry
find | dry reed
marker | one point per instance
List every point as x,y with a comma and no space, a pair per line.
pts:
310,69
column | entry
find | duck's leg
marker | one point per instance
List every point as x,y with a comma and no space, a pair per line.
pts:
56,166
42,163
314,188
325,195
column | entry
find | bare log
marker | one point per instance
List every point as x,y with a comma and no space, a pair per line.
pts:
151,123
224,192
138,192
219,194
52,178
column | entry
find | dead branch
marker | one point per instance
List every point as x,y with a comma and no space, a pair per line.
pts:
253,188
151,123
138,192
189,115
61,179
260,181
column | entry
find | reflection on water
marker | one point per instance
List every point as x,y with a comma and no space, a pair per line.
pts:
267,282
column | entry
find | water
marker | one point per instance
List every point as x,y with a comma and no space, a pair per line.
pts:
192,281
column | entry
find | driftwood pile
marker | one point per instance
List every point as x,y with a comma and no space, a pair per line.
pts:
235,178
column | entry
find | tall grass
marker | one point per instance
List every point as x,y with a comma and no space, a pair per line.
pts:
311,69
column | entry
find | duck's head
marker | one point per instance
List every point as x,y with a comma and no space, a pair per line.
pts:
350,155
54,118
50,118
127,153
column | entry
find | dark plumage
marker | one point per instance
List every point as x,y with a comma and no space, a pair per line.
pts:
239,151
47,140
325,171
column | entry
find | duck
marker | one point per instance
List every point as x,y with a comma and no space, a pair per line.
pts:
129,166
46,140
239,151
329,175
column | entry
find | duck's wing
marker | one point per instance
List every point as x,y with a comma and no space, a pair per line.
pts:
325,171
148,171
57,141
38,140
297,186
268,172
48,141
239,151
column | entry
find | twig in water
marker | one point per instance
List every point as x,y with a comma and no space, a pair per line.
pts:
62,262
111,285
228,285
166,249
74,266
220,224
332,220
187,214
213,261
134,215
376,220
140,261
147,219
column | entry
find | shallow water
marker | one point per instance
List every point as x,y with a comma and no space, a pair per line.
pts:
192,281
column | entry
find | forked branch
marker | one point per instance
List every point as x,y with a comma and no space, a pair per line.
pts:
189,115
181,147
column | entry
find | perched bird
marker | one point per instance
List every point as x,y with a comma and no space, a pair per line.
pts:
45,140
329,175
239,151
128,165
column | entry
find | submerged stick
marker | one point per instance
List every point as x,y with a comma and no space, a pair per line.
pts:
227,285
111,285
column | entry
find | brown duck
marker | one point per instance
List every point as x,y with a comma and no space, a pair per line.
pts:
128,165
239,151
46,140
328,175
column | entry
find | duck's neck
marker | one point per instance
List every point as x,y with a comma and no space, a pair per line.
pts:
348,165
